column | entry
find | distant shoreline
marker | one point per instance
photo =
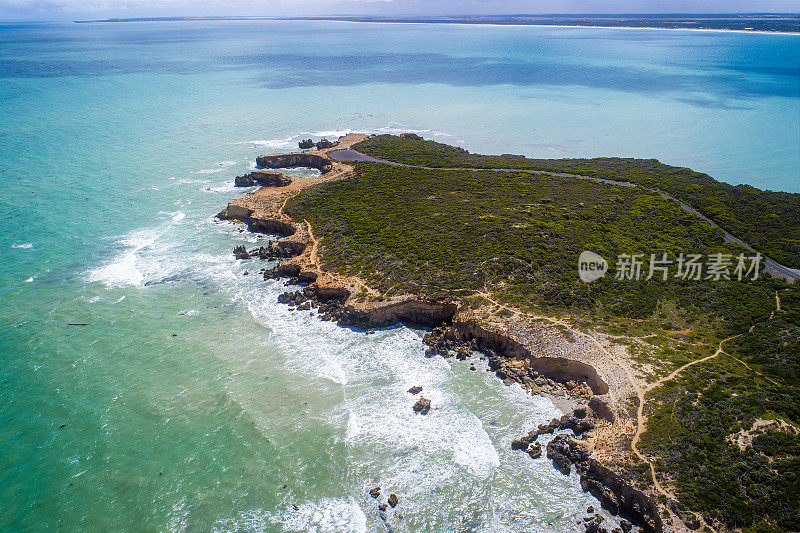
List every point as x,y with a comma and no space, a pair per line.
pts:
720,30
788,24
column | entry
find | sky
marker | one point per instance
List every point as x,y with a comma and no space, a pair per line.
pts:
72,9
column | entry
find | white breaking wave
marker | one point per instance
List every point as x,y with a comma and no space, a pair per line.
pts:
218,167
227,187
272,143
148,255
24,246
397,130
125,268
328,515
448,439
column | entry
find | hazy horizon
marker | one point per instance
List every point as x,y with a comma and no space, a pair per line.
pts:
43,10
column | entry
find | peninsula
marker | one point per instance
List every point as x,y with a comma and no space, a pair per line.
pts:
680,394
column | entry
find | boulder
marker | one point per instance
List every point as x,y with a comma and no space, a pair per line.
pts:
535,451
557,450
422,407
416,389
325,143
393,499
283,270
306,276
375,492
240,252
462,353
521,444
577,425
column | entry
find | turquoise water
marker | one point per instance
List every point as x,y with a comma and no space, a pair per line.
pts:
191,400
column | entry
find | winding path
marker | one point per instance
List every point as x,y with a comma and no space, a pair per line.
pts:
641,420
777,269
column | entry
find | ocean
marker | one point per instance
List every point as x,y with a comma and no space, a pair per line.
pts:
149,385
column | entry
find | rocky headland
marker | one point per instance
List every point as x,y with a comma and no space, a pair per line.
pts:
587,376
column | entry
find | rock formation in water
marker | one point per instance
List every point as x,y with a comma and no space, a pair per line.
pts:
264,178
422,407
295,160
325,143
305,144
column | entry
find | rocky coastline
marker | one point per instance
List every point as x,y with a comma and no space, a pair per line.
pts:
533,356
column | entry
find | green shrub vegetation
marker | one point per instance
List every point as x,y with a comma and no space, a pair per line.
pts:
515,237
691,421
769,221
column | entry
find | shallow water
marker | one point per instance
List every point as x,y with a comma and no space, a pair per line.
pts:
191,400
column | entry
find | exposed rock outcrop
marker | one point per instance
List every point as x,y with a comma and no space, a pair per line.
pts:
235,212
417,311
325,143
513,362
615,495
305,144
412,136
422,406
264,178
562,369
267,225
240,252
295,160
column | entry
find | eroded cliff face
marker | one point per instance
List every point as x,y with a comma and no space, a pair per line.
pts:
265,178
615,495
417,311
295,160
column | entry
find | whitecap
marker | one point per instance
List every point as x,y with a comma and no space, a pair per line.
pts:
125,268
25,245
397,130
227,187
353,428
178,216
218,167
29,280
271,143
330,133
328,515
